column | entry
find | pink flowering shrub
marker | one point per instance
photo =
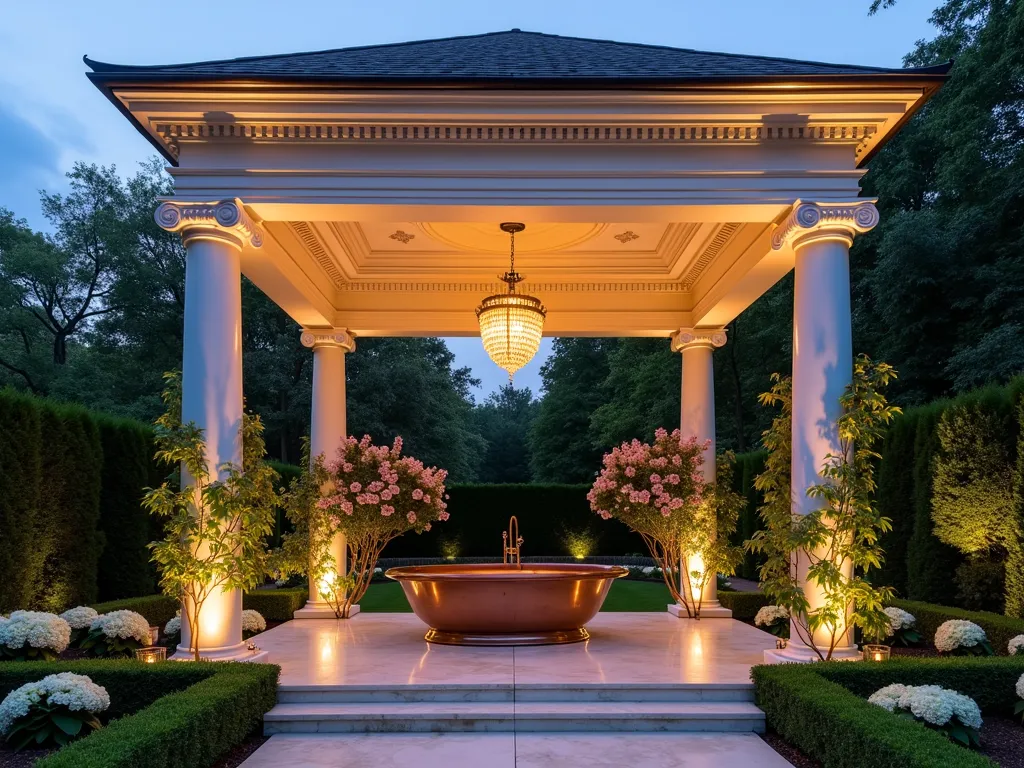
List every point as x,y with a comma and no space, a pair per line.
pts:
659,491
371,493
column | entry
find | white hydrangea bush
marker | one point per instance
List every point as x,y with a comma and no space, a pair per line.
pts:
79,619
953,713
173,625
117,633
1016,646
774,619
52,711
1019,709
34,635
252,622
962,638
902,626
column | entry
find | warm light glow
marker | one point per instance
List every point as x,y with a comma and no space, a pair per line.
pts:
151,655
876,653
695,574
511,325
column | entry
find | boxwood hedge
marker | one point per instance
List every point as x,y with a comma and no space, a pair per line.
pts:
822,709
929,616
170,715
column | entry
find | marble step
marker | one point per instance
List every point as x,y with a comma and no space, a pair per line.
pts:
628,692
521,717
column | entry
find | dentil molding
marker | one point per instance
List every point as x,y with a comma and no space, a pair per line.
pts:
686,338
224,220
805,219
328,337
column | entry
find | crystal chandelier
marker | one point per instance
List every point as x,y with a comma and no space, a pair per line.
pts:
511,323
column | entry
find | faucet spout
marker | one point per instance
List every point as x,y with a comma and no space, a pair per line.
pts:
511,542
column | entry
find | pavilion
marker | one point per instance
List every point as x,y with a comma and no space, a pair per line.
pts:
664,190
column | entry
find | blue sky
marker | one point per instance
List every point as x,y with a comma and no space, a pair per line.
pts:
50,116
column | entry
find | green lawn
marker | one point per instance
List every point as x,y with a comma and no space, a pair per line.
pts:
625,595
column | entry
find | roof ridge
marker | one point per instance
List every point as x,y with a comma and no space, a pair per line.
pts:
98,66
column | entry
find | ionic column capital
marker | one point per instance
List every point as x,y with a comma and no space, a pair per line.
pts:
226,221
328,337
688,338
815,221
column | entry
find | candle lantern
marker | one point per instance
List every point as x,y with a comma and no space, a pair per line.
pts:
874,652
151,654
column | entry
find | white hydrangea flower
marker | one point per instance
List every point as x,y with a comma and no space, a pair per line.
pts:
1016,645
648,570
888,697
899,619
76,692
1020,686
957,633
173,625
933,704
80,617
126,625
35,629
769,614
253,621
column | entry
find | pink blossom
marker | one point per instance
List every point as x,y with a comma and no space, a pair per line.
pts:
346,507
442,516
672,479
677,460
372,498
346,467
411,517
426,527
375,486
417,494
630,471
665,511
323,503
657,489
426,499
385,494
356,487
394,489
387,510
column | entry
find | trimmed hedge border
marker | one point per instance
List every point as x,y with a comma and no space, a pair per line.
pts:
172,715
157,609
276,604
744,605
1000,629
822,709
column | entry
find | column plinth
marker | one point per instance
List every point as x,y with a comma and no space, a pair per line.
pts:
697,417
211,378
328,428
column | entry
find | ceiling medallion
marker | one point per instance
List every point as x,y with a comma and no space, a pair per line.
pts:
626,236
511,323
402,237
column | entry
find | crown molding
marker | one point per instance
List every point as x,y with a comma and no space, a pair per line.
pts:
226,221
488,288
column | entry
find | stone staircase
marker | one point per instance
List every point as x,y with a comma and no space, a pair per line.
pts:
521,708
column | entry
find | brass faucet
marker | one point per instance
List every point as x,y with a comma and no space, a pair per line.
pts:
510,554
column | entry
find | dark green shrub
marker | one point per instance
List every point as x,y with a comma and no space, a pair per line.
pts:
744,605
156,608
171,715
21,563
980,584
930,563
748,467
1014,589
275,604
822,709
124,566
895,499
999,629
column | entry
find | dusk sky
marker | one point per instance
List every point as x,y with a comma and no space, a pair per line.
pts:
51,116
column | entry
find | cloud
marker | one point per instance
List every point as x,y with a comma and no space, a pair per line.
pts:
30,160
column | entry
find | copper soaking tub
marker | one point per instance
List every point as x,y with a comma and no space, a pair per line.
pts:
505,604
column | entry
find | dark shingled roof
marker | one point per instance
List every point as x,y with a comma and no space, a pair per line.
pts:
504,57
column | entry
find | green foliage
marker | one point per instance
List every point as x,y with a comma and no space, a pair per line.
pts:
999,629
640,393
172,715
895,499
50,725
929,561
158,609
20,485
1014,586
215,527
275,604
504,421
839,540
822,709
744,605
747,467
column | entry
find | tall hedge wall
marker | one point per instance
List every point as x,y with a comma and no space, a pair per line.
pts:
71,526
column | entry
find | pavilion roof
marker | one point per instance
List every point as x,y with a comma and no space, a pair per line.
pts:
507,58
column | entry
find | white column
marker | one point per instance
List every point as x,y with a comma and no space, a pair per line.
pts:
697,417
820,237
327,429
214,235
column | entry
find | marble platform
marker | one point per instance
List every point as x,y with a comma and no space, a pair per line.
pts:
516,750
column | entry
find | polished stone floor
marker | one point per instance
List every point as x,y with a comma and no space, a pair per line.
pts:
516,750
388,649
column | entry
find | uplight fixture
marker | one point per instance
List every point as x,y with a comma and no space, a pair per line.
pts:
511,323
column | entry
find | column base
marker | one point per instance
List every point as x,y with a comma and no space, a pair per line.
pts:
238,652
799,653
707,611
321,611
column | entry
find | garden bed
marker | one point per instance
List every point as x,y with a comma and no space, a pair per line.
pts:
189,715
821,711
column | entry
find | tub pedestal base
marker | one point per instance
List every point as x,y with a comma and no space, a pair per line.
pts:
554,637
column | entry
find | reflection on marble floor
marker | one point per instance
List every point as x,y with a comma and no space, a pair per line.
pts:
388,650
507,750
